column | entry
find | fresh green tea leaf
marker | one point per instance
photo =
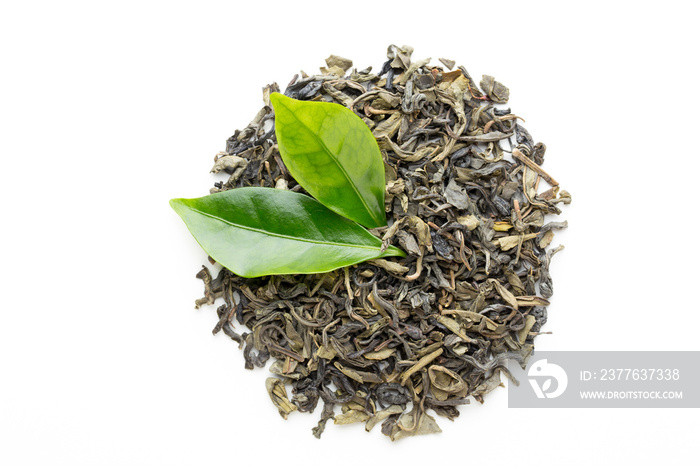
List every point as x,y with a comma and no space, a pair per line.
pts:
333,155
265,231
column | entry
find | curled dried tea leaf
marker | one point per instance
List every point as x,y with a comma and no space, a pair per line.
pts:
359,376
400,56
340,62
529,323
351,416
446,383
469,221
415,423
389,266
505,294
379,355
495,90
448,63
380,416
423,362
278,395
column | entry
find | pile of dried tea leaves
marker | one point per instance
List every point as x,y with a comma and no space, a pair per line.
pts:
387,341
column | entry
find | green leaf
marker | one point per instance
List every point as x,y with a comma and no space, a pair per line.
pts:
333,155
265,231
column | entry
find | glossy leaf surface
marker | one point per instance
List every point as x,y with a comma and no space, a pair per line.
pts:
265,231
333,155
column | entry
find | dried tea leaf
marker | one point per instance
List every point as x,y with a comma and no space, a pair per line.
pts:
487,385
509,242
455,195
529,322
351,416
502,226
389,127
532,301
379,416
446,383
359,376
469,221
333,71
278,395
495,90
546,239
447,62
453,326
390,266
505,294
230,163
380,355
409,427
340,62
400,56
424,361
326,352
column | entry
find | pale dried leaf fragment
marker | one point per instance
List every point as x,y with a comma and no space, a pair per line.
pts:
454,327
409,427
408,243
509,242
446,383
282,184
351,416
390,266
333,70
455,195
494,89
400,56
340,62
326,352
501,226
412,69
475,317
447,62
379,416
386,129
469,221
230,163
359,376
507,296
424,361
532,301
414,224
533,166
522,334
379,355
564,197
487,385
278,395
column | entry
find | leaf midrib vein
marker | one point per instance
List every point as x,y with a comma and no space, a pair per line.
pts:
337,162
279,235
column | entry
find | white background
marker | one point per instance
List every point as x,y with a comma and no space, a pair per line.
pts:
109,109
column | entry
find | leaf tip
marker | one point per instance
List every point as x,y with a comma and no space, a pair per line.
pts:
394,251
276,98
176,203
